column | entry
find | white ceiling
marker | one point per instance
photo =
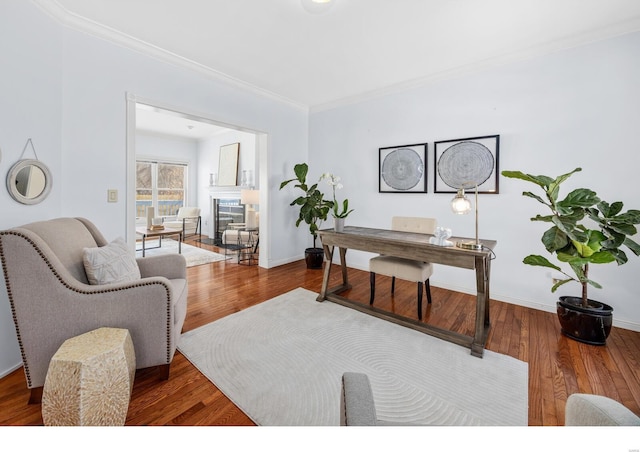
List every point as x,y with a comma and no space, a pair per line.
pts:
167,122
356,49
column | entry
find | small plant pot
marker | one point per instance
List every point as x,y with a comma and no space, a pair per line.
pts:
591,324
314,257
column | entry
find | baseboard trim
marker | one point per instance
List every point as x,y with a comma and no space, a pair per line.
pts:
6,372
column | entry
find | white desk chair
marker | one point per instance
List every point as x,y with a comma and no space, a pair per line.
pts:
406,269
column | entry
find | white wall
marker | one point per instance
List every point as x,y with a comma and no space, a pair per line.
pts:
67,91
209,157
573,108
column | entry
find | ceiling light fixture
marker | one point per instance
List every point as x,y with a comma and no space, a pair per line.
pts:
317,6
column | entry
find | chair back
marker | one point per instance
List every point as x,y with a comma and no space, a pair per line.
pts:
188,212
414,224
63,239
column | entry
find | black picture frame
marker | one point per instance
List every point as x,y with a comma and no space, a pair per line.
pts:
403,169
491,143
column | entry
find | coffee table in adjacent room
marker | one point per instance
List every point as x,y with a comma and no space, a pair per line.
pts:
152,233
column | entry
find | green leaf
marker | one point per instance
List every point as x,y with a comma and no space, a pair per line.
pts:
602,257
542,181
534,196
539,261
609,211
581,197
633,246
629,217
545,218
619,256
560,283
583,249
301,170
594,284
554,239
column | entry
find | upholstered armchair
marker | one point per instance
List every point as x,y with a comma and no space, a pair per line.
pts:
64,279
188,219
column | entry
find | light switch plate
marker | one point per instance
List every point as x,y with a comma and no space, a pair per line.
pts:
112,195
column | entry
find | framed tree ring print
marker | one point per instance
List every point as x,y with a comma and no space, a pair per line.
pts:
403,169
467,163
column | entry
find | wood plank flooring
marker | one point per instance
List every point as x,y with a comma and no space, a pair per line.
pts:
558,366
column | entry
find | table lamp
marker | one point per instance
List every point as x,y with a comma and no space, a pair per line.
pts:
461,205
250,198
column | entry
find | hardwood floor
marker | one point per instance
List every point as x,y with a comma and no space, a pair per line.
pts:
557,366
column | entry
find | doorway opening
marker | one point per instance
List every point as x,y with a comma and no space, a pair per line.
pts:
156,131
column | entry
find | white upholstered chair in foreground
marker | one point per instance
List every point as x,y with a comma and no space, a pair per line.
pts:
64,279
406,269
188,219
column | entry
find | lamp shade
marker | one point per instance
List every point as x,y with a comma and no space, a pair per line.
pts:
251,197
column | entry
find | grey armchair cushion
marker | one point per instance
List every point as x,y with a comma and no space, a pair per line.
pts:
52,300
594,410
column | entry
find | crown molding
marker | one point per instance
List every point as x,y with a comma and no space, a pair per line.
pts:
82,24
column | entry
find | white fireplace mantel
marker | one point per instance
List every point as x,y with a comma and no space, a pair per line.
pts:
229,192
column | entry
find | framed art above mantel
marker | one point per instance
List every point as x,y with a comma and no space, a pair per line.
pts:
228,165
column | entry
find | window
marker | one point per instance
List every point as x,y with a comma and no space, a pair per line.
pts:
162,185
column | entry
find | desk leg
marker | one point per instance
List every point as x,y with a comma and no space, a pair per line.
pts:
328,254
343,266
143,237
483,267
180,235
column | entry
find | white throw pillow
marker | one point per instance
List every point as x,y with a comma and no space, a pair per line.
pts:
111,263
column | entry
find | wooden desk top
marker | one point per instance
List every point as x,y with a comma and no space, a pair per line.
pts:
409,245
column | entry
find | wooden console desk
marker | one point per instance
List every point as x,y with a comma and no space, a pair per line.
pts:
412,246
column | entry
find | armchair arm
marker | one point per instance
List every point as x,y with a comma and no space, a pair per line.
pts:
356,400
589,409
171,266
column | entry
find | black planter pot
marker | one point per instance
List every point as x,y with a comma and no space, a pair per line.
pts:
314,257
590,325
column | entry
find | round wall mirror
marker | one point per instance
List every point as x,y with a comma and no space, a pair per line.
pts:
29,181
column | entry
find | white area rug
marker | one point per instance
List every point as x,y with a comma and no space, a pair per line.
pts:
193,255
281,362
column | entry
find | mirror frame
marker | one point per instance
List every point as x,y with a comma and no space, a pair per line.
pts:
13,174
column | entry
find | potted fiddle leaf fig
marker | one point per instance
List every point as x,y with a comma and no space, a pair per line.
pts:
584,230
313,209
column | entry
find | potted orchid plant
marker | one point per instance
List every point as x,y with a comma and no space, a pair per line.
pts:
337,213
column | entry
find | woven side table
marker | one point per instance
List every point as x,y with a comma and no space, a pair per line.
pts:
89,380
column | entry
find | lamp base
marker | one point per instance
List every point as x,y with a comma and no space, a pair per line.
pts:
469,246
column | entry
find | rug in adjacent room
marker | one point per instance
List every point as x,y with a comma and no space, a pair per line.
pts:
192,254
281,362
